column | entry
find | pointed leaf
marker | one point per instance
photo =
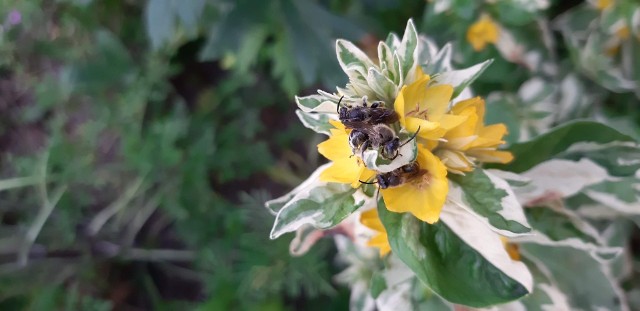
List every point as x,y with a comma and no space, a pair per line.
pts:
319,122
322,207
311,182
489,196
459,258
460,79
557,140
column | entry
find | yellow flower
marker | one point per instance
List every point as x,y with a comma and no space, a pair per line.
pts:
422,106
424,195
512,249
472,141
483,31
346,168
380,239
603,4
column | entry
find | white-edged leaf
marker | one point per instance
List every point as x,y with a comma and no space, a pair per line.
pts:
459,258
440,62
384,88
460,79
318,122
571,269
559,178
306,236
316,103
480,237
323,207
385,58
491,200
353,61
311,182
600,253
408,52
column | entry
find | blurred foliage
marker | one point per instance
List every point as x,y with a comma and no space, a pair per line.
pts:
141,138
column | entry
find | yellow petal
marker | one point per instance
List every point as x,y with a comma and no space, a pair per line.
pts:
345,171
424,196
455,161
482,32
492,156
371,220
398,106
449,121
603,4
490,136
381,241
336,147
428,129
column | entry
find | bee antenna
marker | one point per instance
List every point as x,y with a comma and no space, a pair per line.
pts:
412,137
367,182
338,106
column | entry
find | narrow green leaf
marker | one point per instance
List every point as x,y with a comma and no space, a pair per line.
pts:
408,48
378,284
557,140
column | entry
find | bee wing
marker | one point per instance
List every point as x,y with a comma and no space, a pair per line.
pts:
382,115
356,125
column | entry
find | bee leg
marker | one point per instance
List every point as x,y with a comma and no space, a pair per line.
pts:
367,182
412,137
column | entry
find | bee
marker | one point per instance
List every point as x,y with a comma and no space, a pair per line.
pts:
370,128
365,115
398,176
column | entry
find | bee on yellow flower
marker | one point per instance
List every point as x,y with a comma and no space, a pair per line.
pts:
457,136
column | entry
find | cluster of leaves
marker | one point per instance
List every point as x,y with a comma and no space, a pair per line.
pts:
132,139
573,179
132,132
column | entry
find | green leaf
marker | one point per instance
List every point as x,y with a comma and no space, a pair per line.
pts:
620,159
585,281
160,22
441,62
557,140
353,61
317,103
378,284
449,266
460,79
491,197
313,181
555,225
323,207
319,122
407,50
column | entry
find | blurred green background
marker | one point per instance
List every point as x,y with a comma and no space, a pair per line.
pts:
140,140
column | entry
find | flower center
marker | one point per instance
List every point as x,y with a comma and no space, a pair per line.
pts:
417,113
